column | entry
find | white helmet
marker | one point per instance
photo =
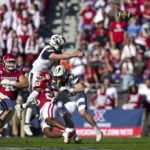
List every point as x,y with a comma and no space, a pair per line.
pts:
60,74
57,41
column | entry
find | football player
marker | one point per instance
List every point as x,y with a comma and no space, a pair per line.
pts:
46,61
11,80
48,109
71,88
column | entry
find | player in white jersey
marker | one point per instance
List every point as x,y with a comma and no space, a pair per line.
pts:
46,61
73,90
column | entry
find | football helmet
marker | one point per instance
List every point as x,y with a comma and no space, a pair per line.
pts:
60,74
57,41
45,77
9,61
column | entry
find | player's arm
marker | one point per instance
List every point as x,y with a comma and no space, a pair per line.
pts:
77,88
66,56
22,83
31,98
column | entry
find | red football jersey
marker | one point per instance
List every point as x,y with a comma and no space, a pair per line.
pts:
46,95
118,29
9,90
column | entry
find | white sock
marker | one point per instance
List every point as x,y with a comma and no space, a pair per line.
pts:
96,129
28,115
24,105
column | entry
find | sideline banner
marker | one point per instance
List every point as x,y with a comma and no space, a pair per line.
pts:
113,123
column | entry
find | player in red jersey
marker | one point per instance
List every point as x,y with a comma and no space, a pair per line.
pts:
43,93
11,80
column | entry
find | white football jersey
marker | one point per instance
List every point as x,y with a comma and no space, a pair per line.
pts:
43,63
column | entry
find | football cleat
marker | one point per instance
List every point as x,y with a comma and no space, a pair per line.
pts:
27,129
19,110
77,140
67,135
99,136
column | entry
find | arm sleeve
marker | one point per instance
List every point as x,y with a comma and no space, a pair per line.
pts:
46,54
32,97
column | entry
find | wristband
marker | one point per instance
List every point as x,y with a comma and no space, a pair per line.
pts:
71,90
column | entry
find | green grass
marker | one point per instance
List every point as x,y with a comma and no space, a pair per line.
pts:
87,143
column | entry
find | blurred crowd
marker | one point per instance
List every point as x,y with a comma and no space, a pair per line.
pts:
19,29
117,51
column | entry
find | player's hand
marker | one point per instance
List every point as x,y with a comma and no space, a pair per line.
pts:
81,53
8,82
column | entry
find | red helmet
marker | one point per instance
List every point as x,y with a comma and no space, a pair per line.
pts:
44,76
9,61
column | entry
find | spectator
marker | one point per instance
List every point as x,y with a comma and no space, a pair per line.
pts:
129,50
35,15
90,76
31,50
127,73
78,67
147,55
24,31
14,45
132,7
105,69
146,12
142,41
86,35
6,15
39,40
133,29
139,67
134,99
17,16
114,52
144,90
4,37
111,91
101,37
87,14
116,74
96,53
101,100
118,33
114,9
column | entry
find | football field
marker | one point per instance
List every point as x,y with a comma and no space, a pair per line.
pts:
43,143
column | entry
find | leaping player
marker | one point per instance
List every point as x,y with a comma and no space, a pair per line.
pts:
46,61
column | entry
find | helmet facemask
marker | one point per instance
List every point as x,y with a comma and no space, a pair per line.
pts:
60,74
10,64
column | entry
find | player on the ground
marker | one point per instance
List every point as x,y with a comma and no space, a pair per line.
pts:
70,86
46,61
11,80
48,109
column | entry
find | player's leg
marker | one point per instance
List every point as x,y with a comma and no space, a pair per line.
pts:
28,113
82,108
66,112
48,112
7,107
51,133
